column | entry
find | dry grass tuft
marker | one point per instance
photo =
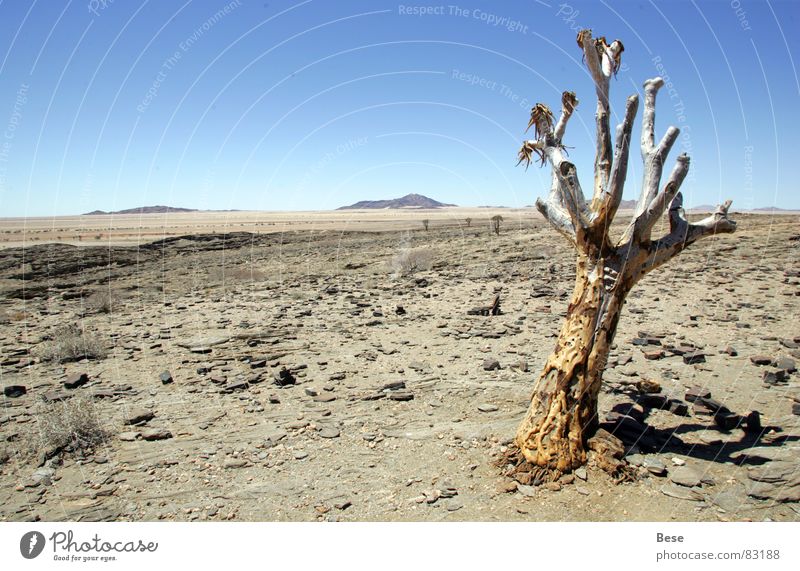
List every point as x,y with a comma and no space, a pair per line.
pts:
73,425
411,260
103,301
72,343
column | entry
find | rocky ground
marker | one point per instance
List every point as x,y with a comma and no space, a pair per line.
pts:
345,376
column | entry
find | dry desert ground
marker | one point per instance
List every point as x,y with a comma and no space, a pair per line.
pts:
327,366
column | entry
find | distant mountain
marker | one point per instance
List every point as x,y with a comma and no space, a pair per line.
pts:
144,210
769,209
408,201
627,204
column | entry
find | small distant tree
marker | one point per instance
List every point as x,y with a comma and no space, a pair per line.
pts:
425,224
496,220
468,221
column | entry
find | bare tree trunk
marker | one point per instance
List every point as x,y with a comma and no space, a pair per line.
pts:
563,409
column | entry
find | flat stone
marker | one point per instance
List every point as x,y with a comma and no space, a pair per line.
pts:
234,463
681,492
300,455
400,395
527,491
775,472
130,436
139,416
488,408
202,350
648,386
76,380
235,386
284,378
156,434
775,376
694,357
785,363
685,476
654,355
727,420
785,492
678,408
14,391
324,398
761,360
581,474
491,364
329,433
695,393
655,466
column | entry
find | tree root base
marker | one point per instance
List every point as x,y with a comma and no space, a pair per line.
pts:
514,465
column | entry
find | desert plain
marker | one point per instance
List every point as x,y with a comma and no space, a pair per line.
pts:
336,366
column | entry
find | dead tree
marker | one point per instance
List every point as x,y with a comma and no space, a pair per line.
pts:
468,221
496,220
563,408
425,224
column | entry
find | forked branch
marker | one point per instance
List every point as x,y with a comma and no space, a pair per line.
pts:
683,233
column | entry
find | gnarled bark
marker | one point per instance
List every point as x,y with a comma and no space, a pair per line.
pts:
563,410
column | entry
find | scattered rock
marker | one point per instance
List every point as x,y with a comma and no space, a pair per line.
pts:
491,364
231,463
76,380
761,360
785,363
648,386
681,492
688,477
654,465
14,391
156,434
329,432
694,357
727,420
139,417
284,378
487,408
775,376
166,377
452,504
695,393
130,436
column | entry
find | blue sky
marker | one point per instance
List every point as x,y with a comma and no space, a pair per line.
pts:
301,105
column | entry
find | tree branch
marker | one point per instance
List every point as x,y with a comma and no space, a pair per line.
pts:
683,233
643,225
559,219
605,208
602,61
568,104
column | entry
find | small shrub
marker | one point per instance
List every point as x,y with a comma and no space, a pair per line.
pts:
72,343
411,260
102,301
73,424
